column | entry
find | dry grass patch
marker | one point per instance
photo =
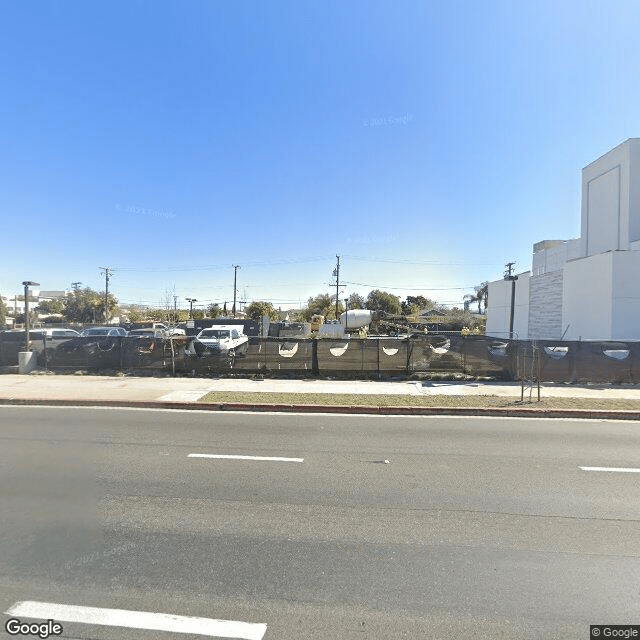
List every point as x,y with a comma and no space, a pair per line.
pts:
345,399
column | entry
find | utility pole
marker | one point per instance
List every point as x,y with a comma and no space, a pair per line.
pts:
175,309
235,277
508,275
191,301
336,273
107,272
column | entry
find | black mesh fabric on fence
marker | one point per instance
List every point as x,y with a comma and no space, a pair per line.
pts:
393,355
577,361
371,355
92,352
486,356
342,356
98,352
436,352
634,348
144,352
277,354
552,360
603,362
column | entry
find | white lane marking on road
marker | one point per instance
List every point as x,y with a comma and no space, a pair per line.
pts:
139,620
615,469
233,457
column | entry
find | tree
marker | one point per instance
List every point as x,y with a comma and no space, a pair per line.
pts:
50,306
412,305
481,295
322,304
214,311
3,313
87,305
382,301
356,301
259,308
198,314
158,315
136,316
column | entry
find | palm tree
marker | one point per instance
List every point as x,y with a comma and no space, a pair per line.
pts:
482,295
468,299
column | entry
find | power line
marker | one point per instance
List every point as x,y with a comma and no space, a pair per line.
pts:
266,263
425,262
378,286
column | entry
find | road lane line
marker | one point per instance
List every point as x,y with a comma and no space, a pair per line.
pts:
230,457
616,469
138,620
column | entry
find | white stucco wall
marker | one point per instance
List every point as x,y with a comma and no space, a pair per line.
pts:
586,298
553,257
626,296
499,308
611,200
602,297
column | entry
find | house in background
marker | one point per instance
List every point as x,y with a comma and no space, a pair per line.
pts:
587,288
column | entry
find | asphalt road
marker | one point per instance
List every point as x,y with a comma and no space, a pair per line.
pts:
473,528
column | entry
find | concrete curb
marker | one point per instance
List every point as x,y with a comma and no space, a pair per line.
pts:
595,414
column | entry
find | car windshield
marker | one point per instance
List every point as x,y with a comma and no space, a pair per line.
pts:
214,333
96,332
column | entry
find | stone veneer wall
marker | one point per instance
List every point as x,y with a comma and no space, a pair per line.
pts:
545,306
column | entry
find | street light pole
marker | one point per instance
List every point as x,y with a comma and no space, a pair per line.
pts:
27,284
191,301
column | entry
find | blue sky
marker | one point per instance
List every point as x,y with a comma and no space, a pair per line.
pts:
425,143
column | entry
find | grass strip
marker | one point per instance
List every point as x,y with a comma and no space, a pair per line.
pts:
380,400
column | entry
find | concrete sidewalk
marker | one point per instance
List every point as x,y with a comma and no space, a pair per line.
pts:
88,388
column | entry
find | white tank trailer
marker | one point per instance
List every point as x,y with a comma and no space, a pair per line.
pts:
354,319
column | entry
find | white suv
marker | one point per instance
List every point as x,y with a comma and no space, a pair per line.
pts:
224,339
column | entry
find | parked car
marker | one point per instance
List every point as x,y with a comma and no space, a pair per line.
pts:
224,340
148,333
103,331
175,331
54,334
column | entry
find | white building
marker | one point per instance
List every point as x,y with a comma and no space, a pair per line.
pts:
587,288
16,307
